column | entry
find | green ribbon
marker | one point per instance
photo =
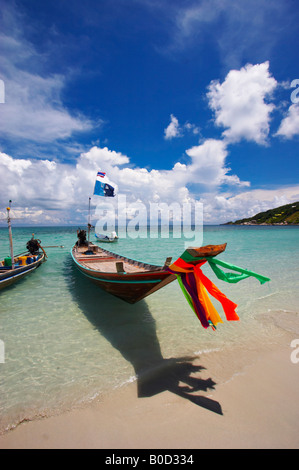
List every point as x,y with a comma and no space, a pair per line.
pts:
233,277
185,292
227,277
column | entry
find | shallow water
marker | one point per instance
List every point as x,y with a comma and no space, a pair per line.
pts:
67,342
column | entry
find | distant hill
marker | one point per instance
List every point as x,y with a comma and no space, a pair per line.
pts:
283,215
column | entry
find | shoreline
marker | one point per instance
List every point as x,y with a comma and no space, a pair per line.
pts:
241,398
262,224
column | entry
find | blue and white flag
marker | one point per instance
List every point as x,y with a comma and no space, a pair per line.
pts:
101,187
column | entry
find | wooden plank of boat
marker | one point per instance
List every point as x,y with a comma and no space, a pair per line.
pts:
9,275
127,278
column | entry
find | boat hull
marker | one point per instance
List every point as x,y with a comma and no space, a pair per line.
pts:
10,276
129,287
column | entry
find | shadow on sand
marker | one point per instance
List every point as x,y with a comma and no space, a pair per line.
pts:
132,330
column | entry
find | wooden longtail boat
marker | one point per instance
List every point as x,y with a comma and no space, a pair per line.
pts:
14,268
23,265
126,278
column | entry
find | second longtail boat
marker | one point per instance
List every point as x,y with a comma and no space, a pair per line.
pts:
15,267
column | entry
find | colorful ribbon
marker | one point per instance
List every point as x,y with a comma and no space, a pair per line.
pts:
195,286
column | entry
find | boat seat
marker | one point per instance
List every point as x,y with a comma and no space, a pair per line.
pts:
120,267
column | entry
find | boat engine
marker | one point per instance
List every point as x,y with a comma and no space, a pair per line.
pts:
81,238
33,246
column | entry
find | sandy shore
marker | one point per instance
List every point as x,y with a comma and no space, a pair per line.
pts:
254,407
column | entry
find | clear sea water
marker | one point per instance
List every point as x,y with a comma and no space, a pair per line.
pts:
68,343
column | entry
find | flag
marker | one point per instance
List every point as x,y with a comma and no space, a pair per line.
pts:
101,187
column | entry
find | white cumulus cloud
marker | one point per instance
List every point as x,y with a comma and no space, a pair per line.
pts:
220,208
48,192
172,130
289,126
57,191
33,108
208,164
240,103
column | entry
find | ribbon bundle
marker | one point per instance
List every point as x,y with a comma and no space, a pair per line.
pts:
195,286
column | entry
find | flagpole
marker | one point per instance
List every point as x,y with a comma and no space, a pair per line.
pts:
89,223
10,237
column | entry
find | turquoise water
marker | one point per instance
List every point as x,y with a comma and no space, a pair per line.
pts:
67,342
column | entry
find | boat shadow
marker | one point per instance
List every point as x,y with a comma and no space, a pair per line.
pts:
131,329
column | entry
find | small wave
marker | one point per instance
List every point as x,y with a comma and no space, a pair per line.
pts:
130,380
268,295
13,425
206,351
293,312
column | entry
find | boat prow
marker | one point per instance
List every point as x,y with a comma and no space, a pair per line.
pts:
206,251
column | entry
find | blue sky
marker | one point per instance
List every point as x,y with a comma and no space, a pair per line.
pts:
175,100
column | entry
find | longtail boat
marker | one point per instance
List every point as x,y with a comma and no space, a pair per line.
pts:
132,280
15,267
124,277
23,265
